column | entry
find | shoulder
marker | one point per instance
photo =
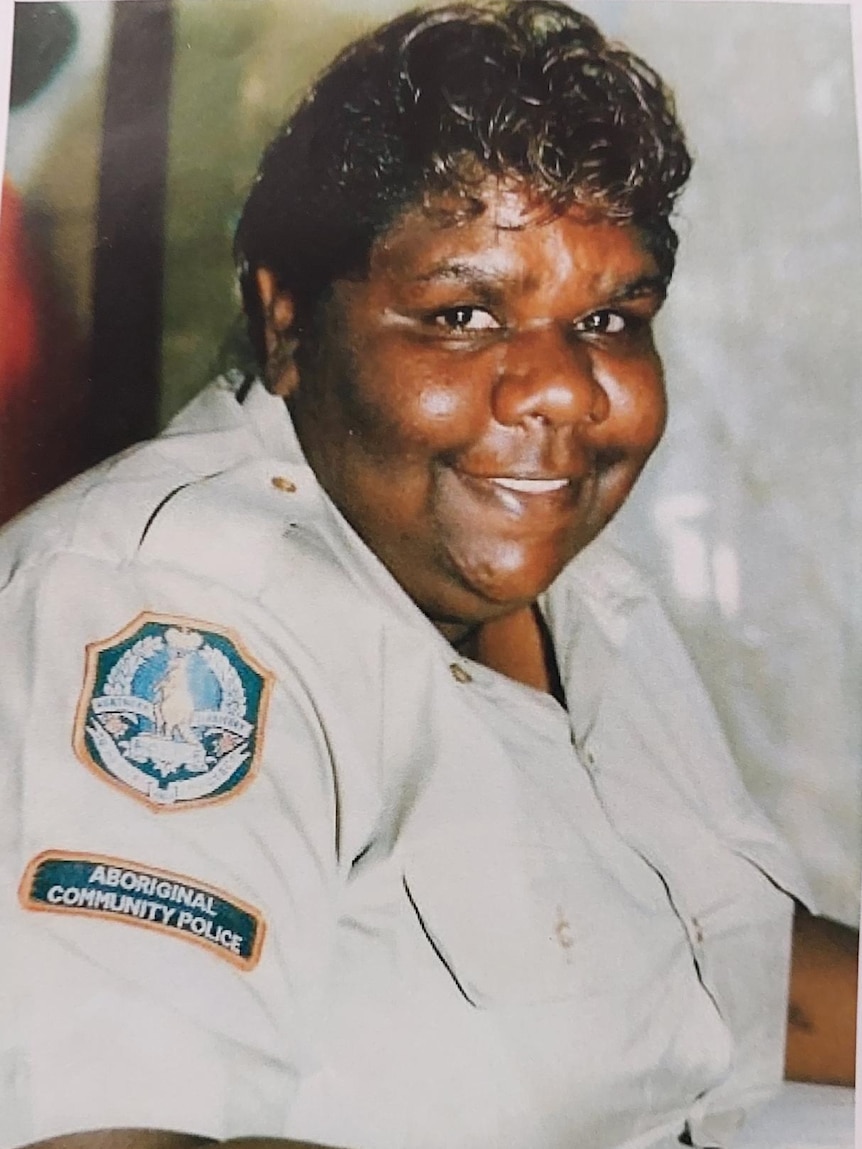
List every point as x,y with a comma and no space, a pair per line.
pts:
206,501
618,637
605,572
647,717
201,531
163,624
604,585
104,512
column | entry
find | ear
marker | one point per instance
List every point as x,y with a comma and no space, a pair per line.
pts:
279,313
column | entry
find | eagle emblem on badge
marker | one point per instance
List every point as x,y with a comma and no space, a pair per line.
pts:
172,710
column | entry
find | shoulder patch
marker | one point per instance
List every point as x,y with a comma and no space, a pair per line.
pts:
102,887
172,711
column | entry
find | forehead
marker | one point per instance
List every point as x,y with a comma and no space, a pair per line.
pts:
502,231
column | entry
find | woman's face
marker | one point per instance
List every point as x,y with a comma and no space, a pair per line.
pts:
479,406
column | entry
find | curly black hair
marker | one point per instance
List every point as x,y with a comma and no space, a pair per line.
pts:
440,100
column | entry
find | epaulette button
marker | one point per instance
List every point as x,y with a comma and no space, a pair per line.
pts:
283,484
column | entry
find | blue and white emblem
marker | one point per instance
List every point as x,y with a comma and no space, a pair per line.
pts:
172,709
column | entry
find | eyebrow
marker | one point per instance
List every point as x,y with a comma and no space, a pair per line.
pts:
466,273
487,284
638,288
492,282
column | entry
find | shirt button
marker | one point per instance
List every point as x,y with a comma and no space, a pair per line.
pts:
459,673
282,484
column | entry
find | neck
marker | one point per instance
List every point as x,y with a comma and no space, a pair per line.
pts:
517,645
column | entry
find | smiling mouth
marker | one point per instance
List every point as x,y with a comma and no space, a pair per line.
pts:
537,499
529,486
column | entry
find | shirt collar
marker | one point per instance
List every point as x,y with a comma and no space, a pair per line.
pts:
271,421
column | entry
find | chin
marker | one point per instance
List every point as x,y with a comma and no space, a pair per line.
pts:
511,573
496,590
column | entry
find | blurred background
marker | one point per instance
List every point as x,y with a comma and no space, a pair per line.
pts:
134,131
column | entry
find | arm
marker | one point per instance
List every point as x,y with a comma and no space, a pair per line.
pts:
821,1034
106,1010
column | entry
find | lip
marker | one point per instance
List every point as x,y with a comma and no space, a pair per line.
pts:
539,499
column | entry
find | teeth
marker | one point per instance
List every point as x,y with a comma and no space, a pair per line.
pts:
532,486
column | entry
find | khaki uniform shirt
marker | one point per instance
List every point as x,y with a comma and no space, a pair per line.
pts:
277,861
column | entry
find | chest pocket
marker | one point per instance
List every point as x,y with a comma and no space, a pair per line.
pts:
519,923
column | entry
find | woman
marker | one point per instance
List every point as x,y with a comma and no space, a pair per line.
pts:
445,813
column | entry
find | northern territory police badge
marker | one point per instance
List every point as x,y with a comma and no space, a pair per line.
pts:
172,710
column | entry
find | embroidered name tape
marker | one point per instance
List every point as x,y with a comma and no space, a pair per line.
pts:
172,711
68,883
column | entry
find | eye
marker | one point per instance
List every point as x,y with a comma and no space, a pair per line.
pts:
602,323
464,318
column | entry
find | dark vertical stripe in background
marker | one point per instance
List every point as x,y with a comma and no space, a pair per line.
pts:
128,267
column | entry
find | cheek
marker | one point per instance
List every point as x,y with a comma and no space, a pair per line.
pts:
406,402
638,403
436,404
648,414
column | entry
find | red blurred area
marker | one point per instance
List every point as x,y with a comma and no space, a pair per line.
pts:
44,390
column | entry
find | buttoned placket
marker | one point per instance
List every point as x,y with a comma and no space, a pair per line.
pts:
589,756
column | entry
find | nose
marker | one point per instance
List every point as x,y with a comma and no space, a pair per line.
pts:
548,377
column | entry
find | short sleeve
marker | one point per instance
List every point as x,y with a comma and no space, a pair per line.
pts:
168,857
